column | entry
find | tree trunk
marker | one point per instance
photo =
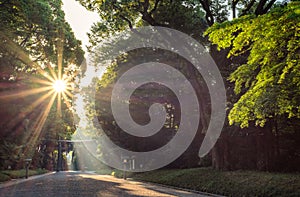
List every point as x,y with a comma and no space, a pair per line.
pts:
221,153
265,148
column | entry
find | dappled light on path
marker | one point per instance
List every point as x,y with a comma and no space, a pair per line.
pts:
73,183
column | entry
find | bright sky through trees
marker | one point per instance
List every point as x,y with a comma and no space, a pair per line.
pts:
79,19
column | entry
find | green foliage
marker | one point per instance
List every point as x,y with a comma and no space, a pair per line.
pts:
269,83
60,125
31,33
230,183
9,153
14,174
219,10
182,16
109,76
4,177
116,16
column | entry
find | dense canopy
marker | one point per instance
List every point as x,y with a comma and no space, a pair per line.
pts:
33,33
269,82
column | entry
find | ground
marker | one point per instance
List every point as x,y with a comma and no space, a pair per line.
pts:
85,184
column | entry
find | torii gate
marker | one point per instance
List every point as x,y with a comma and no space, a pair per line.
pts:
59,158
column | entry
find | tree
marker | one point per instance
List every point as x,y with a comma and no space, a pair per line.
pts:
9,152
31,35
117,15
36,42
184,16
268,84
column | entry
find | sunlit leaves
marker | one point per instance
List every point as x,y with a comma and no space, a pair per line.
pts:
269,83
109,76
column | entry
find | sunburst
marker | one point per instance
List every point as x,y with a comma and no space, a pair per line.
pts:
54,85
59,86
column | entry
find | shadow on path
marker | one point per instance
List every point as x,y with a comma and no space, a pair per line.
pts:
87,184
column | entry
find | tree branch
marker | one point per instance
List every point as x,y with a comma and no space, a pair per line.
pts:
155,6
233,6
268,7
208,16
121,16
147,16
146,6
260,7
127,20
245,11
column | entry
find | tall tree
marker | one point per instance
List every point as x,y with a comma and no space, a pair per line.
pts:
36,42
185,16
267,81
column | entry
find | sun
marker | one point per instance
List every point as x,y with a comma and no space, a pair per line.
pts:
48,85
59,86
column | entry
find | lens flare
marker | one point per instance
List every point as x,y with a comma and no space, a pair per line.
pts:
36,94
59,86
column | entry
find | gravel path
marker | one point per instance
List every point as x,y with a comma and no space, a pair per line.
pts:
86,184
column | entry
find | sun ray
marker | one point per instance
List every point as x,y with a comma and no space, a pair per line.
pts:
31,106
38,110
59,104
23,56
24,93
45,74
54,75
66,100
45,114
38,125
60,51
41,81
29,141
67,92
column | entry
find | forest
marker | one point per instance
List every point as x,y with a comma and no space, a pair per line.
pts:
254,43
